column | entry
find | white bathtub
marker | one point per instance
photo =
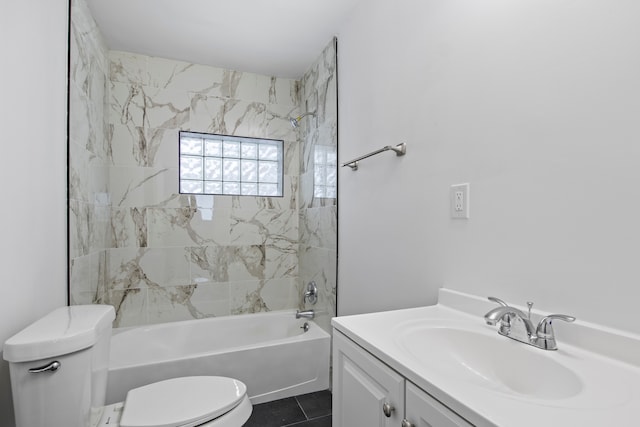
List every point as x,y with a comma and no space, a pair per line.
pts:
269,352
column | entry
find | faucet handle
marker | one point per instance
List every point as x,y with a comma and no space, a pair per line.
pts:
498,301
544,331
311,293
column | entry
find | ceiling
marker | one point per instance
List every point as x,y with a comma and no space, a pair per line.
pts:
272,37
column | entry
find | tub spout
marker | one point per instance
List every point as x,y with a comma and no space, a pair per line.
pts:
307,314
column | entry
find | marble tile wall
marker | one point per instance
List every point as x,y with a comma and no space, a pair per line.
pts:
167,256
173,257
318,215
159,256
89,199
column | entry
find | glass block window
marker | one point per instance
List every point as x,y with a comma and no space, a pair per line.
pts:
230,165
325,172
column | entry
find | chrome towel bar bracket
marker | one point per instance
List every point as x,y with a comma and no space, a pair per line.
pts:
400,150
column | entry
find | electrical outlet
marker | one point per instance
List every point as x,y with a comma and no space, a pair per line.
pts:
460,201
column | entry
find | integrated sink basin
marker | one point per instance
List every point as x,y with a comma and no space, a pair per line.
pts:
451,353
489,361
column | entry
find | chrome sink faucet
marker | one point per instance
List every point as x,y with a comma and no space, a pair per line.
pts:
514,324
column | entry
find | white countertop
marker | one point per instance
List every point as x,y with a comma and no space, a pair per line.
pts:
610,394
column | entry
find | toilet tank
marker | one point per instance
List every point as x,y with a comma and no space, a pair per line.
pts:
59,365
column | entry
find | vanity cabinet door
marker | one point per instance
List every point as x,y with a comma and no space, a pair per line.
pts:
424,411
362,386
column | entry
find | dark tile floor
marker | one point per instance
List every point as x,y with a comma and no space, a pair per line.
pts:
307,410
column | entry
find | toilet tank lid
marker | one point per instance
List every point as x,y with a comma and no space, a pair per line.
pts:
63,331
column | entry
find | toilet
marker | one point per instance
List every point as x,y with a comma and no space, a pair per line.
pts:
59,367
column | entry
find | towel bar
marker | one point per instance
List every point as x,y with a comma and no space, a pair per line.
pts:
400,150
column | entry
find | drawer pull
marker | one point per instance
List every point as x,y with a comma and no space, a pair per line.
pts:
387,409
406,423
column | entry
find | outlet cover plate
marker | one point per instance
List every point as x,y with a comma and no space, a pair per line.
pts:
459,195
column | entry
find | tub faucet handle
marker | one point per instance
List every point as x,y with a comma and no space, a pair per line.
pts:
311,294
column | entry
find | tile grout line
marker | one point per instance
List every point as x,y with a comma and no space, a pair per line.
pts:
306,419
302,409
318,417
303,423
298,423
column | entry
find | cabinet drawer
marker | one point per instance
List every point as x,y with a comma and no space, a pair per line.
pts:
425,411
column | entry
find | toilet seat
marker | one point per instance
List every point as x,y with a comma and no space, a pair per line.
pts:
183,402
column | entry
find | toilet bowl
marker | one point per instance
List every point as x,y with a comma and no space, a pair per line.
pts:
182,402
59,366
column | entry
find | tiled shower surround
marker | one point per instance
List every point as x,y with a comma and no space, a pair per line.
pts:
159,256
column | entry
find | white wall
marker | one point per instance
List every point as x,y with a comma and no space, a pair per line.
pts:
32,168
536,103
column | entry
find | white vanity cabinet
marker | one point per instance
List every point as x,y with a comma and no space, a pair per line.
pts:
362,386
366,392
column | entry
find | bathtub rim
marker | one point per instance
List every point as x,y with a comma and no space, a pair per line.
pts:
315,332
